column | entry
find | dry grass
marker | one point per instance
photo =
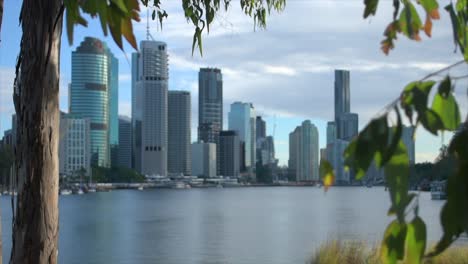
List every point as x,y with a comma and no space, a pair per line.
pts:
337,252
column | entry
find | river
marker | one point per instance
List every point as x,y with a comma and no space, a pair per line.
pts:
229,225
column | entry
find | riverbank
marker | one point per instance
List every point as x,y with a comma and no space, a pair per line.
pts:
334,252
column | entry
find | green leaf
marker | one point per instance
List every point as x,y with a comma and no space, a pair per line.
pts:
410,22
127,32
326,174
415,240
371,7
431,7
371,140
447,110
393,243
395,138
431,121
455,28
397,177
120,4
445,87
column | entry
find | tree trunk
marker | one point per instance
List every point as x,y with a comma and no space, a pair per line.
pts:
35,224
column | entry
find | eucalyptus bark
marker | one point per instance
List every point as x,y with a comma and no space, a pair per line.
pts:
36,93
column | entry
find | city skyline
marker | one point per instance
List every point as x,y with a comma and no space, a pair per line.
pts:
370,71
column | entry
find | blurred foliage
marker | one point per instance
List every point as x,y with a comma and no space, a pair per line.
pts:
116,175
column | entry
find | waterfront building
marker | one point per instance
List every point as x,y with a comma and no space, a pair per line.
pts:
347,126
179,133
210,102
334,154
93,94
203,159
149,93
74,145
304,152
342,93
242,119
113,85
261,127
331,132
229,145
125,142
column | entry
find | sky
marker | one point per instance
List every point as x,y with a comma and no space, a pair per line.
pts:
286,71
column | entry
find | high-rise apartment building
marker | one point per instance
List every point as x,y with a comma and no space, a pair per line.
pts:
179,133
149,114
125,142
229,145
304,152
348,126
93,92
113,80
342,94
243,120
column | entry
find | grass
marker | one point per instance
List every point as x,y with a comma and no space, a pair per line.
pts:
337,252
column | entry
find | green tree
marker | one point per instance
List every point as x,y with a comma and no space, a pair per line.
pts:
35,227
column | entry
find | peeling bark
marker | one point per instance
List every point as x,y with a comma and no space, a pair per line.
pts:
35,224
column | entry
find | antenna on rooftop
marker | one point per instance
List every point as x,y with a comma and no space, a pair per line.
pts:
148,34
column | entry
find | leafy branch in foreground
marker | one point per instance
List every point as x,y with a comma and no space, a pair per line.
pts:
381,143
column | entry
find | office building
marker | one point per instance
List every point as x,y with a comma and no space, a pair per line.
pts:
210,101
92,92
331,132
204,159
74,145
261,127
243,120
113,84
125,142
229,153
149,93
179,133
342,93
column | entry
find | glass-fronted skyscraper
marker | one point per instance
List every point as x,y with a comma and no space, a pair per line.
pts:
304,152
89,95
243,120
113,80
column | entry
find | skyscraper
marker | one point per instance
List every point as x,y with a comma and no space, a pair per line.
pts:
229,153
342,95
210,98
125,142
304,152
90,94
113,80
261,127
331,132
242,119
348,126
149,93
179,133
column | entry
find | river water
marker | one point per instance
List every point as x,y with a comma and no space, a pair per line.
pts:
230,225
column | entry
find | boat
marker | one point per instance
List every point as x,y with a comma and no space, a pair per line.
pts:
438,190
140,188
219,185
91,190
181,185
65,192
80,191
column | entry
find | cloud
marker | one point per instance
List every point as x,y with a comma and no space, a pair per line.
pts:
125,108
281,70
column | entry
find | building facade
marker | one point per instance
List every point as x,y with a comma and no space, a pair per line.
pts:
179,133
113,80
204,159
304,152
229,145
210,101
243,120
150,96
74,146
261,127
342,93
125,142
348,126
91,93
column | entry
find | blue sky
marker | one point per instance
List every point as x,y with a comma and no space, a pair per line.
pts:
286,71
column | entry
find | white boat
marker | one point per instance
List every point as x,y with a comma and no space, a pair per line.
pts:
91,190
65,192
80,191
181,185
140,188
438,190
